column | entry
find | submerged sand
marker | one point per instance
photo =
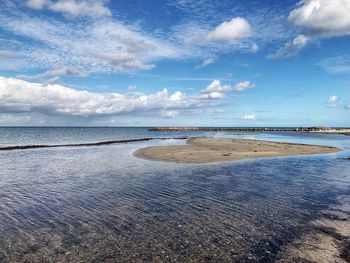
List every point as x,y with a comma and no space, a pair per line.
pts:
211,150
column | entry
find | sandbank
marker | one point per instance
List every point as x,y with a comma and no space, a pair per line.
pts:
212,150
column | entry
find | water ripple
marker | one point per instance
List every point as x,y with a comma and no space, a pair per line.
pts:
99,204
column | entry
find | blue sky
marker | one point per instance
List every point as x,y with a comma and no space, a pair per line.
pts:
175,62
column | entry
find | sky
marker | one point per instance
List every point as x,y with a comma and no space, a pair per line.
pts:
175,63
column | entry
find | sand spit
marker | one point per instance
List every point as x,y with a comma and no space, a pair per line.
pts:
211,150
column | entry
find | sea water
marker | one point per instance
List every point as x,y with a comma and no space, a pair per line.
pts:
101,204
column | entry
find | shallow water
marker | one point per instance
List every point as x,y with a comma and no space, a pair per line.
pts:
101,204
13,136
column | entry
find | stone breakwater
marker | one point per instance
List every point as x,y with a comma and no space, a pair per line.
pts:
345,131
219,129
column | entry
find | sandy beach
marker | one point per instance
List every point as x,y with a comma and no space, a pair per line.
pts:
212,150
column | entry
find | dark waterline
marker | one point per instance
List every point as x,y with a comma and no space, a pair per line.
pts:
36,146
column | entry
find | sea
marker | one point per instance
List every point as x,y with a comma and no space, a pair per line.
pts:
99,203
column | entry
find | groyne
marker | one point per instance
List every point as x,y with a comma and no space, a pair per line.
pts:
255,129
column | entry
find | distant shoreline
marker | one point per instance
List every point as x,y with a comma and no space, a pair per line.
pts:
213,150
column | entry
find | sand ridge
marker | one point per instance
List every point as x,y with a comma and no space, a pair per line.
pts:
212,150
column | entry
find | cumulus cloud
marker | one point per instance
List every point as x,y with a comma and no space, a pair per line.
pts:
216,90
332,100
206,63
233,30
254,48
211,95
216,86
93,8
177,96
249,117
323,18
20,96
291,48
318,19
24,96
241,86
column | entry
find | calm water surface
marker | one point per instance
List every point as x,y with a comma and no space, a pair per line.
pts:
100,204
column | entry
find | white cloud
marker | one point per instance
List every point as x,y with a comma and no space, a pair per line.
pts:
233,30
94,46
332,99
318,18
205,63
216,90
65,71
11,60
132,87
254,48
194,41
19,96
53,40
211,95
216,86
249,117
81,8
98,43
126,61
7,54
94,8
347,106
291,48
53,80
55,73
176,96
336,65
36,4
169,114
241,86
323,18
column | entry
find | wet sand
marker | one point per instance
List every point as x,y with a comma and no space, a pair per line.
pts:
212,150
326,240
